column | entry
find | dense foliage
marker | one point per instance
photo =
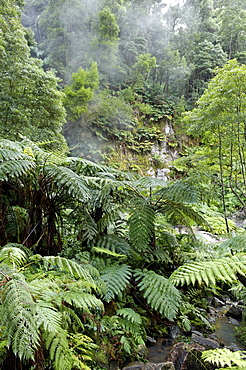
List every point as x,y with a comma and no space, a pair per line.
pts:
93,258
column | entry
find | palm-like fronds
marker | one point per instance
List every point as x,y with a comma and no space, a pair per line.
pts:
72,267
179,191
207,272
225,357
159,292
116,278
65,178
12,255
57,345
129,314
141,224
17,317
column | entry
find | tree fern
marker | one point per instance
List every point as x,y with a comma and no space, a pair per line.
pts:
225,357
141,224
116,278
159,292
66,178
83,300
207,272
179,191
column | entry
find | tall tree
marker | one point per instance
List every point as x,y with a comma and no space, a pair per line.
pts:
30,102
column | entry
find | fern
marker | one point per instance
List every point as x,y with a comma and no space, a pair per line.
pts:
207,272
116,278
12,255
178,192
114,244
73,268
18,318
236,244
130,315
225,357
159,292
66,178
141,225
83,300
57,345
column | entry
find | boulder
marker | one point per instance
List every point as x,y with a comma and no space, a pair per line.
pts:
235,312
150,366
233,321
216,302
136,365
206,342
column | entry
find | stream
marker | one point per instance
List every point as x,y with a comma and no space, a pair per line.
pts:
224,332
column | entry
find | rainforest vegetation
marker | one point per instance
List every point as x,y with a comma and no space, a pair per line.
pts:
96,254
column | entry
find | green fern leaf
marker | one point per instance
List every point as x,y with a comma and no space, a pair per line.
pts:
114,243
160,293
179,191
57,345
83,300
225,357
141,225
208,272
116,278
131,315
73,268
12,255
66,178
18,318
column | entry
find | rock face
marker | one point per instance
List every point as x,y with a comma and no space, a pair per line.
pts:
206,342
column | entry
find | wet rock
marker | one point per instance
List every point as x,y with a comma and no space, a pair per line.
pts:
216,302
196,332
187,356
178,355
175,331
113,365
136,365
233,321
235,312
167,365
160,366
206,342
150,341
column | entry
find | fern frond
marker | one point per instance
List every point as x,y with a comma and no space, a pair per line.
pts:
159,292
12,255
15,168
108,252
47,316
180,192
141,225
207,272
83,300
130,315
225,357
18,318
66,178
148,182
72,267
180,213
116,278
114,244
236,243
57,345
